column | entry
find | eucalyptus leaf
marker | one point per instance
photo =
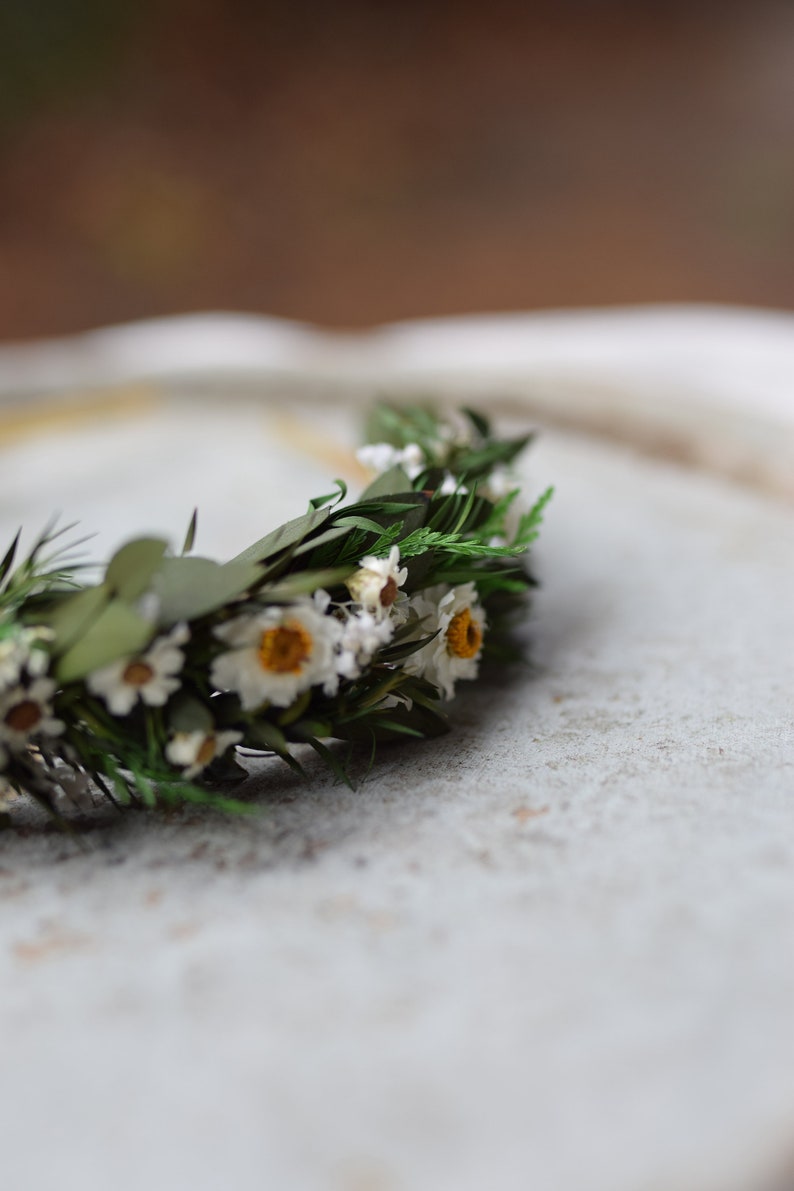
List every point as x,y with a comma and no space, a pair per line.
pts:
286,535
116,632
188,587
131,568
72,616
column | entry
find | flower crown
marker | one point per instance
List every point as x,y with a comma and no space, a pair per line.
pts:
351,622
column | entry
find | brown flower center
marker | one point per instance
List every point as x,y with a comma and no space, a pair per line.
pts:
24,716
137,673
206,750
388,593
464,635
283,650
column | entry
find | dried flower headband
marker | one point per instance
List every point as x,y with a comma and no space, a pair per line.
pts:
351,622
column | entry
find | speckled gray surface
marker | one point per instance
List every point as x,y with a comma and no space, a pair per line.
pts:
553,950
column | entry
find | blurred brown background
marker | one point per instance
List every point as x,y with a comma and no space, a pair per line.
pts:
356,162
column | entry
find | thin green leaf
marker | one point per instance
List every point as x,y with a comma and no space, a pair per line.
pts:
334,497
478,421
190,536
9,556
331,761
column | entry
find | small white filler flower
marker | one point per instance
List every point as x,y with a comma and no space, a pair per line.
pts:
377,582
192,752
279,652
381,456
26,712
150,676
454,654
363,634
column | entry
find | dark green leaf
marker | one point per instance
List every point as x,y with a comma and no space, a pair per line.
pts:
479,422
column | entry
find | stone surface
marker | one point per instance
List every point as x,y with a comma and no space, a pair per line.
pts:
553,950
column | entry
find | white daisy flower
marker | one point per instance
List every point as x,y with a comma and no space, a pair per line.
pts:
363,635
193,751
454,654
380,456
26,712
279,652
150,676
377,582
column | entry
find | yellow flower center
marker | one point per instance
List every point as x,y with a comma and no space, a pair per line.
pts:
388,593
137,673
24,716
206,750
464,635
283,650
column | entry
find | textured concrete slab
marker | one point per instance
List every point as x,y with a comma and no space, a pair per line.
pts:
554,950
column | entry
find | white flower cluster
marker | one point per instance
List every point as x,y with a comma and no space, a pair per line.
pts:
278,652
454,432
381,456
